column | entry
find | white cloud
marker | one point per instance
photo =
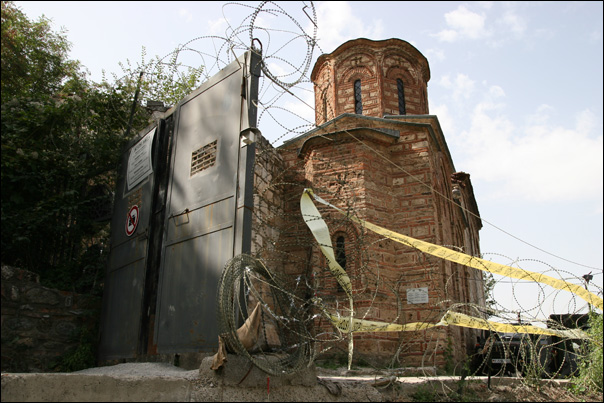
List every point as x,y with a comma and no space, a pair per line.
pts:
185,14
496,91
217,27
463,24
435,54
513,23
541,116
337,24
462,87
445,81
586,121
447,35
538,162
447,122
304,110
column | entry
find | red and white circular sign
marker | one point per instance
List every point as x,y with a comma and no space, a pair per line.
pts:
132,220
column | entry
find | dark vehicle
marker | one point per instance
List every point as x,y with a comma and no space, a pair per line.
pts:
512,354
566,351
530,354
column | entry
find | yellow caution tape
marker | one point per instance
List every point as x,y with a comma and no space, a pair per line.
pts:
311,214
320,231
362,325
453,319
459,319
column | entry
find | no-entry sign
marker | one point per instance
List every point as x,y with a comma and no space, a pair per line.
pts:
132,220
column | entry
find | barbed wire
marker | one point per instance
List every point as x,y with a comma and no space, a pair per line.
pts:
290,280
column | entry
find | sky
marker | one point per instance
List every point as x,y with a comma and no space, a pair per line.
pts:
516,86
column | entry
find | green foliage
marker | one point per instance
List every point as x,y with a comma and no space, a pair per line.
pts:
33,56
425,393
62,137
333,362
589,378
81,357
163,80
489,286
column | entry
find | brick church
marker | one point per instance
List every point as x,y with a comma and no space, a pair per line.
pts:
377,153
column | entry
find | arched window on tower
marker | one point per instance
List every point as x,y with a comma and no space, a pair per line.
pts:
340,253
324,99
401,97
358,101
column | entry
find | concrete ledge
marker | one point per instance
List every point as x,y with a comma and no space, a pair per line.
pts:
239,371
151,382
348,393
93,388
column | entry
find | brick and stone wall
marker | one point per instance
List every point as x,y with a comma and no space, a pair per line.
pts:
39,324
396,172
393,173
378,65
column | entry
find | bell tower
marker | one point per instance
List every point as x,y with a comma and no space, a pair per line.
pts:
371,78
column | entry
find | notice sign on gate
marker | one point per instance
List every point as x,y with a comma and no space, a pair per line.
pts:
132,220
139,161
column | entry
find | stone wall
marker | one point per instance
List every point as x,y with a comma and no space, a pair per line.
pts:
40,325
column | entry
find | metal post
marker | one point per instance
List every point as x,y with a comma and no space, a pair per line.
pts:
588,277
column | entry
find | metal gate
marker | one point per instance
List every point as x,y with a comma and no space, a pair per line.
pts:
162,283
128,260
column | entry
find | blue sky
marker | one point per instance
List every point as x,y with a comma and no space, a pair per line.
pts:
516,86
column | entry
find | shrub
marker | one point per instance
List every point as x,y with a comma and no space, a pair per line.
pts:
589,378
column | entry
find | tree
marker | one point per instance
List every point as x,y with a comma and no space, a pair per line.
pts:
489,286
33,56
62,137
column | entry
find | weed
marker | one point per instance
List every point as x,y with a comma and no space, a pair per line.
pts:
81,357
424,393
589,378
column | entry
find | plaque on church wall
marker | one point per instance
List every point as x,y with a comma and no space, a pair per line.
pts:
417,295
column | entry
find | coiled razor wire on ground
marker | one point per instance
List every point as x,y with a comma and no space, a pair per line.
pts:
245,278
286,272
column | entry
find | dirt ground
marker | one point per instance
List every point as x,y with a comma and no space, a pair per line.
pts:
439,389
478,392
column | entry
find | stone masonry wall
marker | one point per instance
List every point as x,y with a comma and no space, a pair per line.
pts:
39,324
